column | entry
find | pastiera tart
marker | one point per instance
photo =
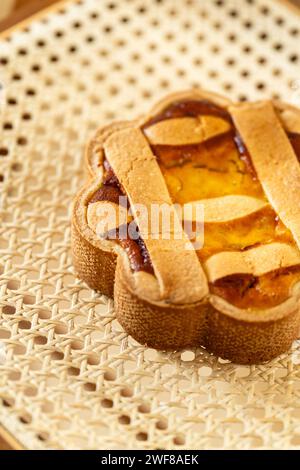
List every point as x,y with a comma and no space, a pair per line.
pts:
236,293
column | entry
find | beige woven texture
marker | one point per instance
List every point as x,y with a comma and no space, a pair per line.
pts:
70,377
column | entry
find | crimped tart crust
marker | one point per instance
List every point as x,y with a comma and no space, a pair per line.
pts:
182,298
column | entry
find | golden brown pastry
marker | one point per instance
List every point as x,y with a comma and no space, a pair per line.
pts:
234,291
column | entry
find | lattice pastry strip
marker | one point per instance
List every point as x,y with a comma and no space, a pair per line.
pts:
134,163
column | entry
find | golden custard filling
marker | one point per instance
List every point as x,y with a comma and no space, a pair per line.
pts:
202,158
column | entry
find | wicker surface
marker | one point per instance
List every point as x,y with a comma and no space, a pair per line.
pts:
71,378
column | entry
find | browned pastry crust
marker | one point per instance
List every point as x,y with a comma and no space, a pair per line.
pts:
94,262
240,335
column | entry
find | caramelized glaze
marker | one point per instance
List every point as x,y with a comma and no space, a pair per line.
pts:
135,248
265,291
295,141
